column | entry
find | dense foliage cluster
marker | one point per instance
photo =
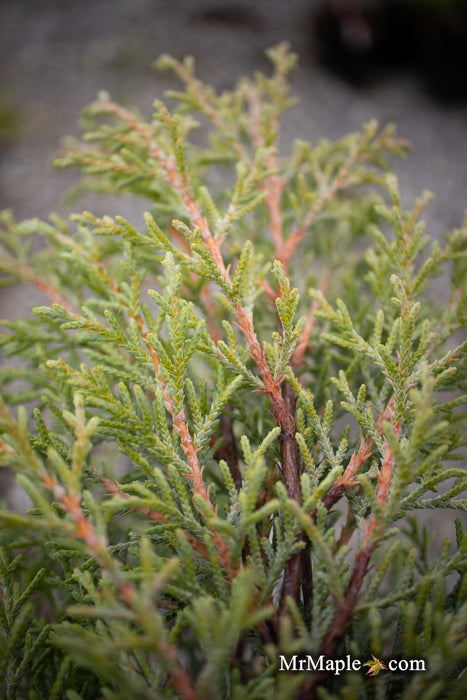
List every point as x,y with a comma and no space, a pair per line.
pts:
231,417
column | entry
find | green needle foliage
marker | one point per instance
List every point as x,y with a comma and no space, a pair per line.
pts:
231,417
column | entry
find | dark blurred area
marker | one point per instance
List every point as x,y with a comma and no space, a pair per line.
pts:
364,40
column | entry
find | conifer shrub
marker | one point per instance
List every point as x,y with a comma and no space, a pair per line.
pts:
231,417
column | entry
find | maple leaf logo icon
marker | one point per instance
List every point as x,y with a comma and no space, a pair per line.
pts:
375,666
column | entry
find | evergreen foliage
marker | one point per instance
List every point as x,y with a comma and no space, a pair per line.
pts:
236,412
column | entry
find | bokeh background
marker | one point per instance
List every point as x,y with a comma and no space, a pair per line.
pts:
55,55
400,61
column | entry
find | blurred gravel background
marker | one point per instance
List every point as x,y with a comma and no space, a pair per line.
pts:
55,55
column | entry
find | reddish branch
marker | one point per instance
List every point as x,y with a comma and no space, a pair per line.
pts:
174,177
283,408
296,570
274,184
28,274
346,608
342,620
196,470
357,460
84,529
384,483
346,481
179,422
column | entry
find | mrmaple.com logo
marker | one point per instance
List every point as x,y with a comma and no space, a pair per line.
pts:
308,663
